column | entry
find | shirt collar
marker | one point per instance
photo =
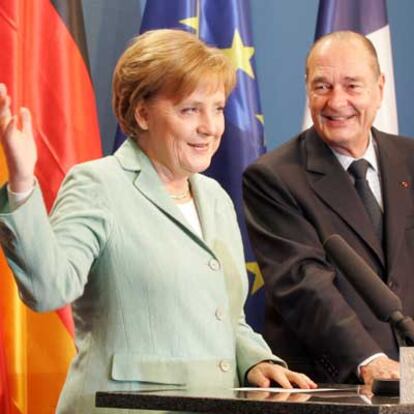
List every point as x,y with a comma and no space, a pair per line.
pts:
370,155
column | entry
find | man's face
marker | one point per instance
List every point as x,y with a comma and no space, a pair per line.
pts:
344,93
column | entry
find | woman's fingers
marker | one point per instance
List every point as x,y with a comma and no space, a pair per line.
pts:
301,380
263,373
26,117
5,113
9,129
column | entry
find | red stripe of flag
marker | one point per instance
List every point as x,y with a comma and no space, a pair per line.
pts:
44,70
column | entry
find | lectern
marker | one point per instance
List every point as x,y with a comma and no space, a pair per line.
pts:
346,400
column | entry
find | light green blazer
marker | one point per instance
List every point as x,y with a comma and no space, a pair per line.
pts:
153,303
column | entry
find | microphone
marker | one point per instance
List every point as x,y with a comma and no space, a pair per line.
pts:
384,303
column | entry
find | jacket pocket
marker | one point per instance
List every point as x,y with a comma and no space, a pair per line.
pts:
135,367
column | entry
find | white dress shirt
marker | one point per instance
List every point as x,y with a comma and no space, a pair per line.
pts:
190,213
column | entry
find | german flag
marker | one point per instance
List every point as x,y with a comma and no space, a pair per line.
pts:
43,62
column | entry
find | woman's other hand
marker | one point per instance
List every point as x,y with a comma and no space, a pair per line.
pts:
264,373
18,144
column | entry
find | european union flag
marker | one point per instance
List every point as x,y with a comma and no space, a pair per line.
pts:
226,25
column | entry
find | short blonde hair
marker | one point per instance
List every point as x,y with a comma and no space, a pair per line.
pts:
171,62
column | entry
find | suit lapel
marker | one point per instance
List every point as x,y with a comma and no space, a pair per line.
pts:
148,183
395,180
333,185
205,205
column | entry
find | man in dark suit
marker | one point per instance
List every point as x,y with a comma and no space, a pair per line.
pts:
301,193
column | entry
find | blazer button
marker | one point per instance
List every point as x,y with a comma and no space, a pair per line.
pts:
219,314
214,264
224,365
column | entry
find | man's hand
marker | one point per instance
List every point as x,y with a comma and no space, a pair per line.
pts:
381,367
262,374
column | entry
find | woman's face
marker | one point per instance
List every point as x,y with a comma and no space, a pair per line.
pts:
181,137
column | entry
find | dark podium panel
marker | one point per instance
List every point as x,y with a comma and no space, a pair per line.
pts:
348,400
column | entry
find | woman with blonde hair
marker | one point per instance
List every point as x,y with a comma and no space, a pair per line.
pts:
145,248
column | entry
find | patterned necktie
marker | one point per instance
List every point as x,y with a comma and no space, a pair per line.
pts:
358,169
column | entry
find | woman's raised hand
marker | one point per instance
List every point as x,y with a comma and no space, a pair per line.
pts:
18,144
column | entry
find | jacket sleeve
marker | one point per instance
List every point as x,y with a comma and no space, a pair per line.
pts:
251,348
299,280
51,257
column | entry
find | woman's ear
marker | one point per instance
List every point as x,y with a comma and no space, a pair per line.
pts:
141,115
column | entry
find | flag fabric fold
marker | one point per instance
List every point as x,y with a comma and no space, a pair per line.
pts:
43,62
225,24
368,17
4,381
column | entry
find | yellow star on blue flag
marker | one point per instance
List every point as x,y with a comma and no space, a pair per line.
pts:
240,54
258,281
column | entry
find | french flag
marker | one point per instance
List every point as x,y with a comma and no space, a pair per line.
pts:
368,17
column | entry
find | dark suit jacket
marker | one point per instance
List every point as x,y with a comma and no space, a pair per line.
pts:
298,195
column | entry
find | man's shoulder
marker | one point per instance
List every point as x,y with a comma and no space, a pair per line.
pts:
394,139
397,147
288,153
